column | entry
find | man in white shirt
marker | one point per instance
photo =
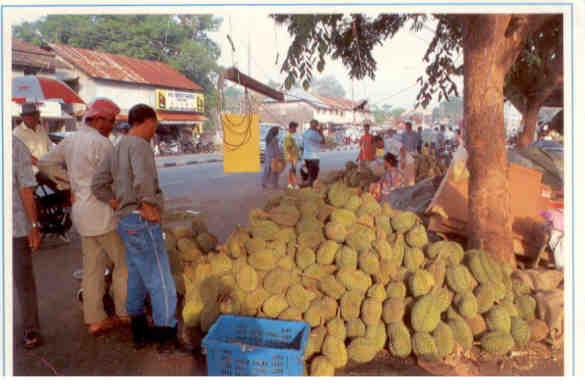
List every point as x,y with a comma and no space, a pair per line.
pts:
94,220
32,134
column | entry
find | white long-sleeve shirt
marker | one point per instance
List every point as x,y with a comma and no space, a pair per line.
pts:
83,152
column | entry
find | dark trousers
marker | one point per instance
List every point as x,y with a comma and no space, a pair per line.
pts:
313,168
24,286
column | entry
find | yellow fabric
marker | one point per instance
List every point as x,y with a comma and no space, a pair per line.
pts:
291,144
241,143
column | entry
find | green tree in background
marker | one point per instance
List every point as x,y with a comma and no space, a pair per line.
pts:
328,86
181,41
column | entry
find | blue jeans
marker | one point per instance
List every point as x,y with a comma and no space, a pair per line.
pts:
149,270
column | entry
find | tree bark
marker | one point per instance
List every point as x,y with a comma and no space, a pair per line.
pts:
487,54
529,120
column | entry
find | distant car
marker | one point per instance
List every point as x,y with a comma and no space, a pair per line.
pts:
264,129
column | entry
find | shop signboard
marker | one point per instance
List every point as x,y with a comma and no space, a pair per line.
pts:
179,101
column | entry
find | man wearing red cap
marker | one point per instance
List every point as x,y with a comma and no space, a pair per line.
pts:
94,220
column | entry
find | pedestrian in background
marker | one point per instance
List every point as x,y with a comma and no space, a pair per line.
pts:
273,162
26,236
367,148
410,138
130,178
94,219
391,179
313,140
291,151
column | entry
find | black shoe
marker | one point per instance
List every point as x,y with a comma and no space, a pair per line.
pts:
140,332
168,341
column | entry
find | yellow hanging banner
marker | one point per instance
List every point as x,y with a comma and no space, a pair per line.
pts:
241,142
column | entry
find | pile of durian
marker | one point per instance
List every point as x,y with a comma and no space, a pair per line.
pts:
364,277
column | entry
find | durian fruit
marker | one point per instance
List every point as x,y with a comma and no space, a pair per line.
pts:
355,328
383,249
336,231
335,351
277,281
417,237
315,342
497,342
305,258
254,301
220,264
192,312
526,305
396,289
353,203
254,245
351,304
451,252
459,279
326,252
399,341
398,250
368,262
393,310
274,305
414,258
425,314
461,332
438,269
520,331
182,232
353,279
300,298
184,245
287,263
538,329
466,304
444,339
285,215
485,298
336,328
371,311
443,298
361,350
377,292
264,229
338,194
423,346
383,222
291,314
402,222
498,319
310,239
360,238
321,366
343,217
420,283
331,287
346,257
377,333
263,260
477,324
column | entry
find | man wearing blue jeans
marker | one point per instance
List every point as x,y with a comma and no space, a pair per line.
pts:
130,178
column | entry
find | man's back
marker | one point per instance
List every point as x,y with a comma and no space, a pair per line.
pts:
311,144
134,174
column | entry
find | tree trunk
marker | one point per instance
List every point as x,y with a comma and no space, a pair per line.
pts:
529,119
485,67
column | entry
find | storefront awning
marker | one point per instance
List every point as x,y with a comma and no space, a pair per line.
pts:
173,118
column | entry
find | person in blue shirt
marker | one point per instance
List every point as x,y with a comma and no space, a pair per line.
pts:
313,139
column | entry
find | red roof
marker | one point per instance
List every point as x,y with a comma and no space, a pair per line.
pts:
340,103
108,66
25,54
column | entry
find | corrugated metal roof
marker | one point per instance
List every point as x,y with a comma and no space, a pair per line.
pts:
25,54
109,66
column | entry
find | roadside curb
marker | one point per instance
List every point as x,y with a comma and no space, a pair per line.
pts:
188,163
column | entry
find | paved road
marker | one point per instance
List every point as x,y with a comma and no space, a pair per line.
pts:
225,199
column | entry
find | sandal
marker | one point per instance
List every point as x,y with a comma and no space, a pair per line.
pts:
32,339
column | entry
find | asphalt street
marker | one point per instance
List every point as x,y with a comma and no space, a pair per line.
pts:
223,199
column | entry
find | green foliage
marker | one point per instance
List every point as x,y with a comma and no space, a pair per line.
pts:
181,41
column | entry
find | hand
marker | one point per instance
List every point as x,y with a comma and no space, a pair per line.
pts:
34,160
34,238
114,203
150,213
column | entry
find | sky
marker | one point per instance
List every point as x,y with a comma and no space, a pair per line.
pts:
400,60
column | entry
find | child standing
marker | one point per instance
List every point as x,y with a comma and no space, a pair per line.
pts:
291,154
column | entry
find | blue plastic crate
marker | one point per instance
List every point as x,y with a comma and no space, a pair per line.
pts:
246,346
